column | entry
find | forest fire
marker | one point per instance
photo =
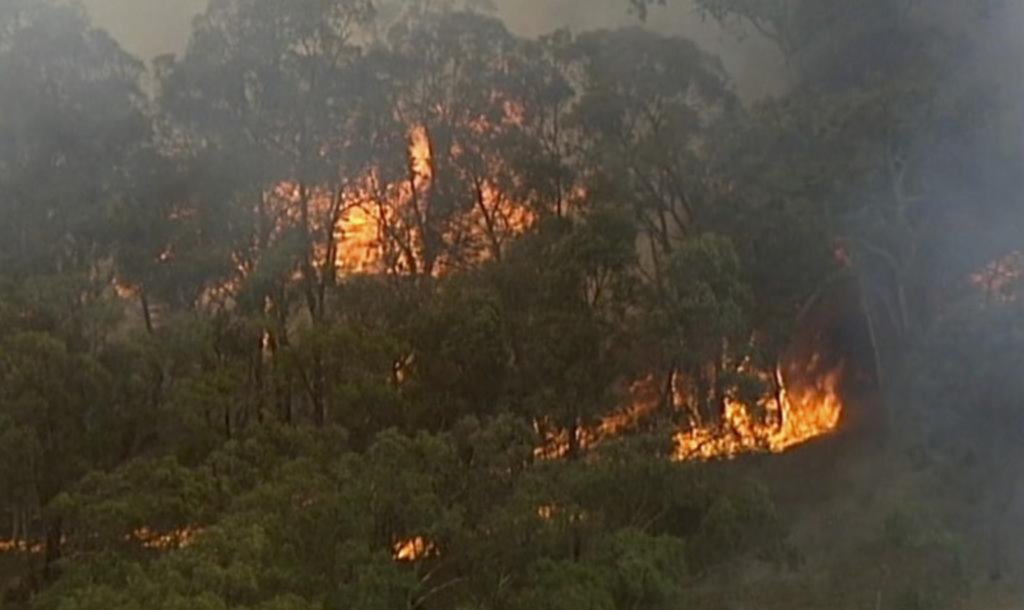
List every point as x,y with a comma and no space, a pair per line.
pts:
791,418
387,224
413,549
777,423
420,156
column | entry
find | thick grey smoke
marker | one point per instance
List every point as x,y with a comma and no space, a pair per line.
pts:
148,28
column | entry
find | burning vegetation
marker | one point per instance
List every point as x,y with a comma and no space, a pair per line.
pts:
790,419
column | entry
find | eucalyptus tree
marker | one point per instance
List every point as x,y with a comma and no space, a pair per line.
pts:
73,115
72,118
268,104
886,106
273,93
455,195
646,108
645,119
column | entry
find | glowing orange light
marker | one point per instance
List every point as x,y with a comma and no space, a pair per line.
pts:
20,546
794,419
413,549
791,418
420,155
164,541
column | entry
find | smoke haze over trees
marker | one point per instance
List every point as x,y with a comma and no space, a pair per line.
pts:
149,28
378,304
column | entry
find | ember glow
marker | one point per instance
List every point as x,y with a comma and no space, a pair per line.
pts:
164,541
413,549
20,546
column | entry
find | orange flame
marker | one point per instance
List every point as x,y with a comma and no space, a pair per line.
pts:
420,157
794,418
791,418
378,212
413,549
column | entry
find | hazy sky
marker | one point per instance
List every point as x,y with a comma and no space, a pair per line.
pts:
149,28
754,63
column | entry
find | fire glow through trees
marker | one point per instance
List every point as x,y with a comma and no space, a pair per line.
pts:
371,214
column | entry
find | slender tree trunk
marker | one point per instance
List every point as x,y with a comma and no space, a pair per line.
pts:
719,386
147,314
490,226
668,390
777,384
259,379
319,402
25,519
574,439
702,396
876,351
309,280
278,341
54,547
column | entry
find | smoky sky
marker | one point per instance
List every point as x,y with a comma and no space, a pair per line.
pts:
148,28
754,64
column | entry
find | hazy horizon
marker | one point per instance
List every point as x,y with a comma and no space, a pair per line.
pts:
150,28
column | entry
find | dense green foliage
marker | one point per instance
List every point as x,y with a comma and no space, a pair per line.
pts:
216,393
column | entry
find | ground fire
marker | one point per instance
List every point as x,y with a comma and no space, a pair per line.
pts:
796,414
792,418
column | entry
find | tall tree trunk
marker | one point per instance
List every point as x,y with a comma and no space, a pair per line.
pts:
318,391
668,398
573,448
872,327
309,280
54,547
778,383
147,314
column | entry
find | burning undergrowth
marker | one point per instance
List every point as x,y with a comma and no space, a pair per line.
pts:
804,403
795,415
